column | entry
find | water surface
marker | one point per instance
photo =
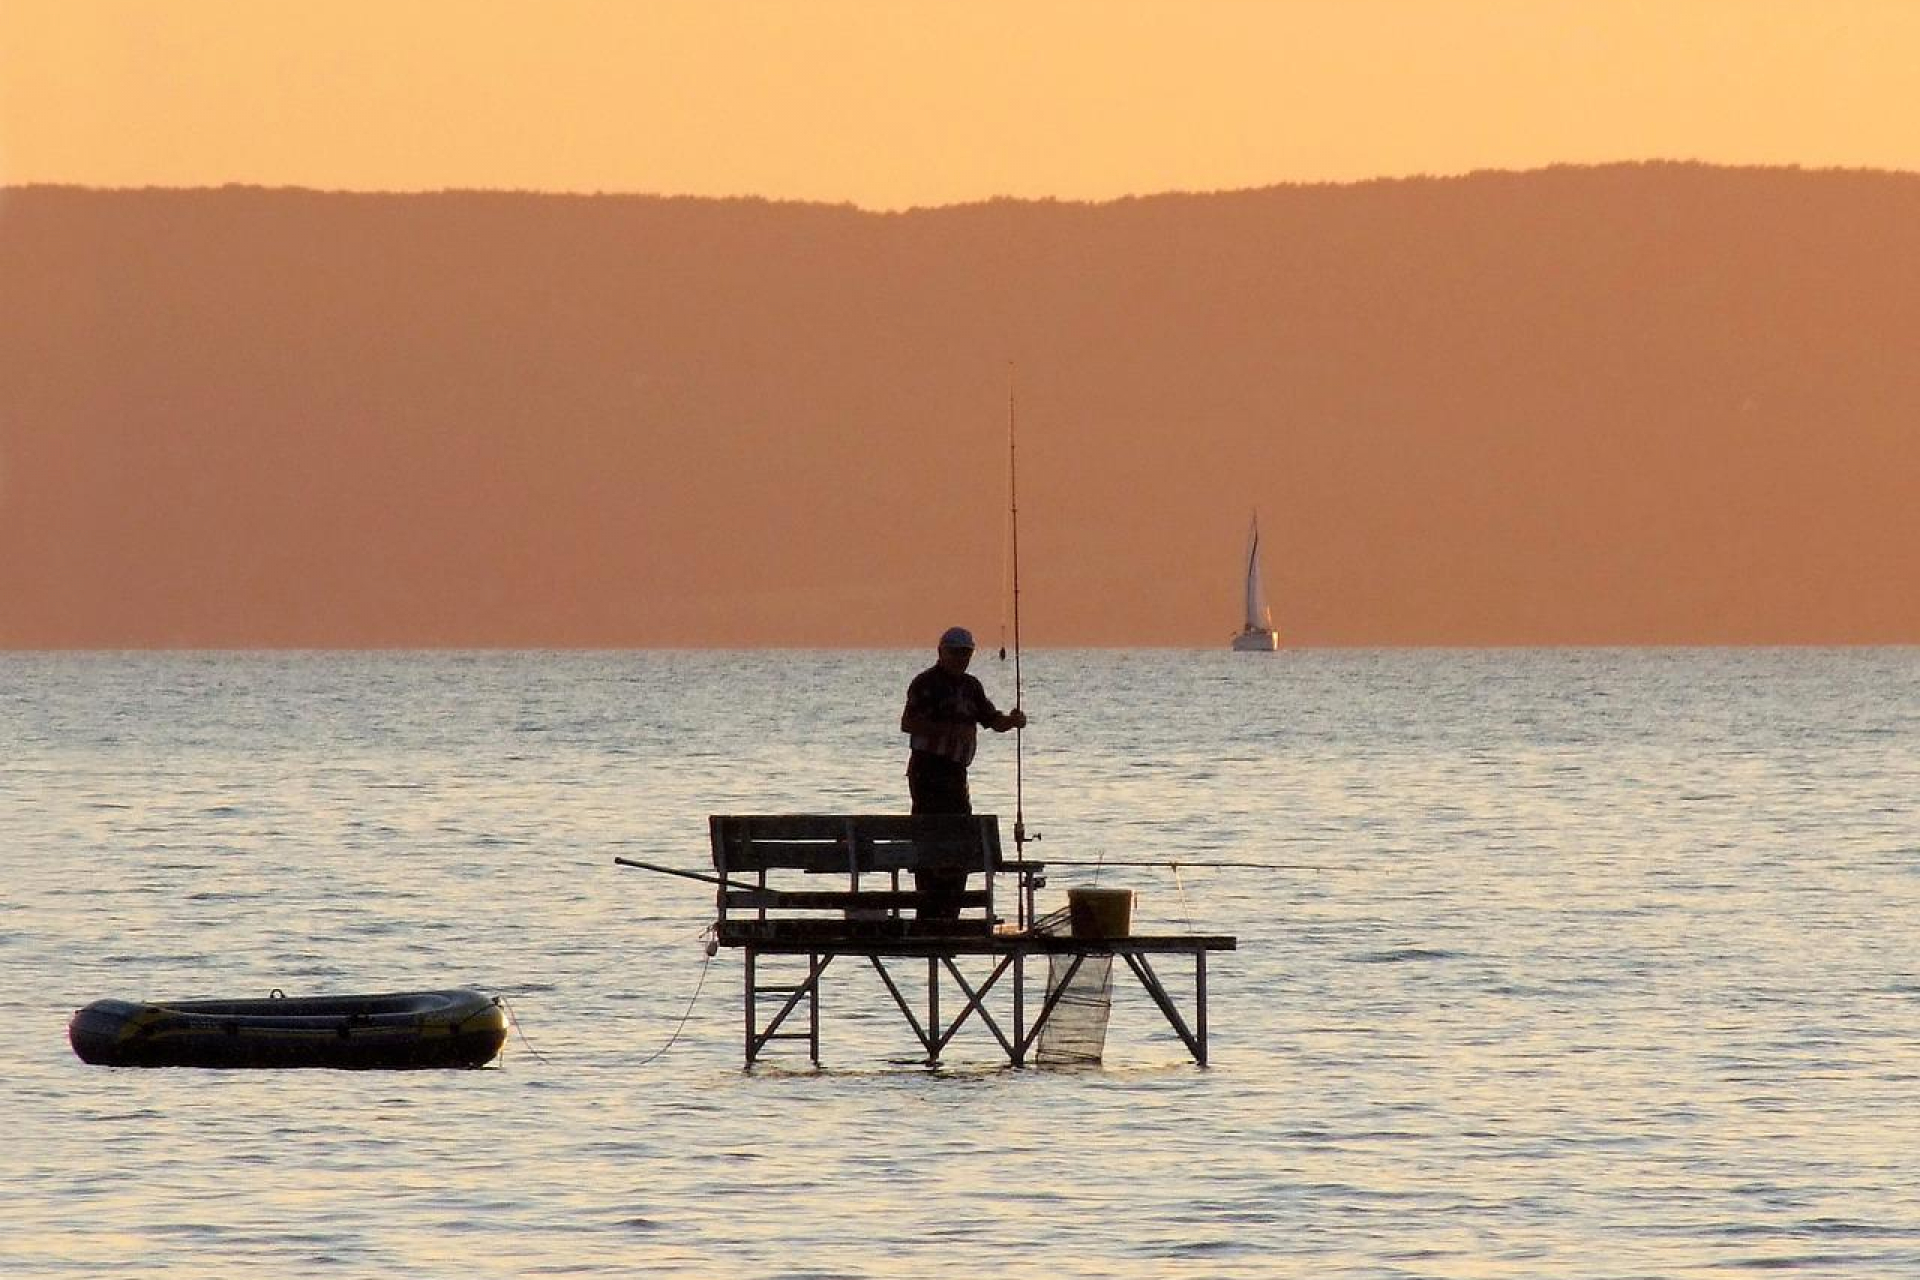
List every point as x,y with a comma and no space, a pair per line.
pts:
1604,965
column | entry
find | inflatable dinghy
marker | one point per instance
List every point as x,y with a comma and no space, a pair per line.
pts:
403,1030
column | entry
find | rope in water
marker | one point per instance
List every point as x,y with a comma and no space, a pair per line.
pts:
514,1019
710,947
705,964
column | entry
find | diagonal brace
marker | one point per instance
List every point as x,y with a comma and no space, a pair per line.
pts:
1151,981
926,1041
976,1003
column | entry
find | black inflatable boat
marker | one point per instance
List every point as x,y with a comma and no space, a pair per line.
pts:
402,1030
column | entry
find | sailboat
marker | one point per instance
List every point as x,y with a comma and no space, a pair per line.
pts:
1258,635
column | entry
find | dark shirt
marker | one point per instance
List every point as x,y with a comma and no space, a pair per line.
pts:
958,704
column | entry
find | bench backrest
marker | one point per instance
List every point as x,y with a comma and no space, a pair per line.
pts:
746,847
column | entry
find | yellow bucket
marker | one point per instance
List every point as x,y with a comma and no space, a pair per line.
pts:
1100,913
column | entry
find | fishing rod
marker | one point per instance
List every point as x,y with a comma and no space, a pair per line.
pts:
1019,761
689,875
1013,516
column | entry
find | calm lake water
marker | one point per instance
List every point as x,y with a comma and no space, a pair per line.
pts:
1607,967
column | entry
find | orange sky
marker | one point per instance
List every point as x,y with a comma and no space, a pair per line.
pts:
890,104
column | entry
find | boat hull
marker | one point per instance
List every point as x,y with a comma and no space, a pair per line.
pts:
398,1031
1257,640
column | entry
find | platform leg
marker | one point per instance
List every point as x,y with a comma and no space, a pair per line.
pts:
748,1002
1019,1009
933,1010
813,1010
1200,1003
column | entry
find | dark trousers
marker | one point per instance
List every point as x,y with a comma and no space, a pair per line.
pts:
938,785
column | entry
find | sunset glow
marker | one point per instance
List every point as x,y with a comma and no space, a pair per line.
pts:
890,105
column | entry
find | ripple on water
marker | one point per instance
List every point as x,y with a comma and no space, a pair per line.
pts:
1403,955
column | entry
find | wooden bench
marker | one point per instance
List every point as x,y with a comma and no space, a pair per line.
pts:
771,868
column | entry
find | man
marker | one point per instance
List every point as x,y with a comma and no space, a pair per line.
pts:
945,710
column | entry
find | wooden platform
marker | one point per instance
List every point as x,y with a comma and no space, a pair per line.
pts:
789,921
772,905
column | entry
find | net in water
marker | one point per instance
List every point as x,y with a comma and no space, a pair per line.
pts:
1076,1033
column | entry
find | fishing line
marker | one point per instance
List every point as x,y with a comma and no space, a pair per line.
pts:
1010,550
1186,908
1176,863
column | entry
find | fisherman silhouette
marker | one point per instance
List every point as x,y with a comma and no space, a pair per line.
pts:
945,710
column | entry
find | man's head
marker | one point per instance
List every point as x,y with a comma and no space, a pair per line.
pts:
956,648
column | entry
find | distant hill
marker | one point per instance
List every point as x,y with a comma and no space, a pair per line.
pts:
1630,404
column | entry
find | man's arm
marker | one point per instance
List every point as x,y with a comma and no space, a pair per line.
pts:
991,717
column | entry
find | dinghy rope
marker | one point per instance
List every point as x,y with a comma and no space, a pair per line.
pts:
514,1019
709,947
706,962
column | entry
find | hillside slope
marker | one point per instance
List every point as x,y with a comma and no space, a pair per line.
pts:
1632,404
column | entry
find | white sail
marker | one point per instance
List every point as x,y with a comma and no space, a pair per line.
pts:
1259,616
1258,634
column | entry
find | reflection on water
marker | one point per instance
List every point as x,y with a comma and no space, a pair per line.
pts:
1607,969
